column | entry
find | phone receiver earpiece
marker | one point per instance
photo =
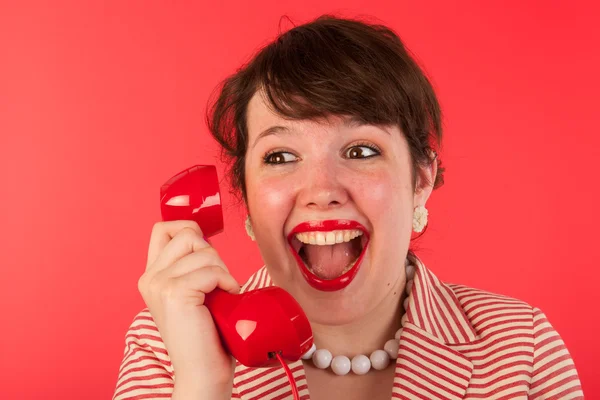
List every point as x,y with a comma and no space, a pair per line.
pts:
193,194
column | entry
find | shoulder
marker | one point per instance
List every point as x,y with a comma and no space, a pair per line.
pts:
477,302
507,324
511,335
484,309
145,366
143,333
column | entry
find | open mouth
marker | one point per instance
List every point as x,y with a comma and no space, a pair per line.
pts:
329,253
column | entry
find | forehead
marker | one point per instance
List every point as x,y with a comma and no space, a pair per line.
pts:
260,116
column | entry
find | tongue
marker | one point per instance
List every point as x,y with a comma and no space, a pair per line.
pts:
328,262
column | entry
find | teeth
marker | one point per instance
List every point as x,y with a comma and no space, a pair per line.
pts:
320,239
328,238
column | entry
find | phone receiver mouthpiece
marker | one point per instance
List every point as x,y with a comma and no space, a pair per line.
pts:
256,325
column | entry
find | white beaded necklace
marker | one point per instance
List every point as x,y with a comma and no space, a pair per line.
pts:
361,364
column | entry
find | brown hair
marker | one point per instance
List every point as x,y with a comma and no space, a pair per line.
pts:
331,66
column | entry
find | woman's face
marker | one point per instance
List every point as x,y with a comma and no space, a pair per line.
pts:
355,177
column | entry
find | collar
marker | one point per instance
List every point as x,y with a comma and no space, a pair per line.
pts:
435,308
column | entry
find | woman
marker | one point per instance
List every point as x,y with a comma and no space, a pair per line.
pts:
335,122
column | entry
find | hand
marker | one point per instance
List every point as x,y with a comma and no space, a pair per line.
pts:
181,269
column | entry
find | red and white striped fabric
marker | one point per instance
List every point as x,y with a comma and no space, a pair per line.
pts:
458,343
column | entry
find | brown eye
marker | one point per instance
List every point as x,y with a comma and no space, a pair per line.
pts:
361,152
280,157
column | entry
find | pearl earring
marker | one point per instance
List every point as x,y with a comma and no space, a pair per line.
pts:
249,230
419,218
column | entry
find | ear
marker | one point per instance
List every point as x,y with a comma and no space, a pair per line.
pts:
425,178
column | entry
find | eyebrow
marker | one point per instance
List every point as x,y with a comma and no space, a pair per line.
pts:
349,122
271,131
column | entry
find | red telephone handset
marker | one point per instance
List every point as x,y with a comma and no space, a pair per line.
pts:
259,327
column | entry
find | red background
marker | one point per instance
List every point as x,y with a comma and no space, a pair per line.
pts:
101,102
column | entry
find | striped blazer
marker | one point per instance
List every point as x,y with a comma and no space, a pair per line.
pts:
457,343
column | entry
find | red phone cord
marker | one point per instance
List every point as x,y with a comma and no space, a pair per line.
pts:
289,376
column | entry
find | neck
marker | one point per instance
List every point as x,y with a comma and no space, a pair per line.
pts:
369,333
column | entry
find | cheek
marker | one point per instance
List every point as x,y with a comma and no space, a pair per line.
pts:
270,201
383,195
274,197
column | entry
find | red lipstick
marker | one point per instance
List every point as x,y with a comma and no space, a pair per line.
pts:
328,285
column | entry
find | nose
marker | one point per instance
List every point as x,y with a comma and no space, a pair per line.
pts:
321,189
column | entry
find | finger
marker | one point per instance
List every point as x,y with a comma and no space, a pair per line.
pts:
163,232
195,284
193,261
185,242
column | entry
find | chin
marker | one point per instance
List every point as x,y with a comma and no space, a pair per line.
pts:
335,307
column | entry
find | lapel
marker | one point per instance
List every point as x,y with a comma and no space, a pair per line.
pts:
427,365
